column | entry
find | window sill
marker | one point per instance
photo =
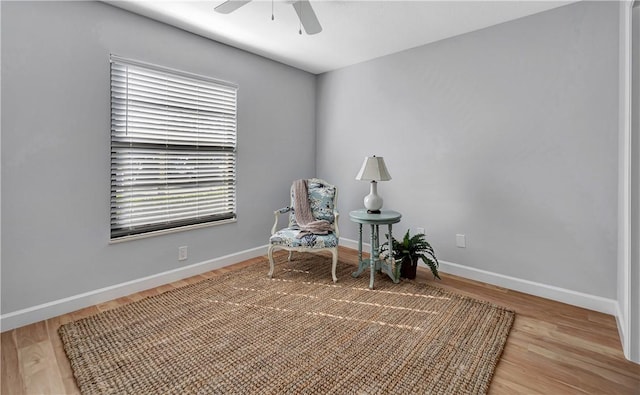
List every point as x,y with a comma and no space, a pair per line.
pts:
169,231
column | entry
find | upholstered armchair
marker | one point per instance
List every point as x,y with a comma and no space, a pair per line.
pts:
322,198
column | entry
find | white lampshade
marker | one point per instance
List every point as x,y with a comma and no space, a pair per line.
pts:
373,169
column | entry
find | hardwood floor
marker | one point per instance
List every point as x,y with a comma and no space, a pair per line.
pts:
553,348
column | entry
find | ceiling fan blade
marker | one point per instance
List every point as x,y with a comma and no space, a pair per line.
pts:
307,17
231,5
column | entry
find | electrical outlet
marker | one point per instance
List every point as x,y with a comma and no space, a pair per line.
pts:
461,241
420,231
182,253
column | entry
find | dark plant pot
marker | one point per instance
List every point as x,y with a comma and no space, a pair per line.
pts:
408,268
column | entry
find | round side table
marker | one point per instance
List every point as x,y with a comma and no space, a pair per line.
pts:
386,217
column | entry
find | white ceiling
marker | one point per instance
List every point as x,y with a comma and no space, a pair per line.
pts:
353,31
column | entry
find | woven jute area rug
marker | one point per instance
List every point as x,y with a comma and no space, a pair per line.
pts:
298,333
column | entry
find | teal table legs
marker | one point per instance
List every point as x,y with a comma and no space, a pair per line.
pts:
372,257
387,267
360,245
373,263
361,264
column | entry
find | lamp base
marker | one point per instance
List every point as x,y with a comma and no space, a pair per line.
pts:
373,202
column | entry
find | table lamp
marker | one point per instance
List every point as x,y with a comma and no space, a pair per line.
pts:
374,170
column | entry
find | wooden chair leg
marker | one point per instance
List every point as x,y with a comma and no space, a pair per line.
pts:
271,263
334,264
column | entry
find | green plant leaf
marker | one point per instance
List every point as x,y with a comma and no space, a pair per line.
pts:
413,247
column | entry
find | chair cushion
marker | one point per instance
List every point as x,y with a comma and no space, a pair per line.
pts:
287,237
321,198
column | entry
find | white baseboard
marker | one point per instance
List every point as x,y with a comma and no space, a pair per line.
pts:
621,321
354,244
66,305
587,301
575,298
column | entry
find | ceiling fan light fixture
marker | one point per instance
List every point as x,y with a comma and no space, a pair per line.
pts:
306,15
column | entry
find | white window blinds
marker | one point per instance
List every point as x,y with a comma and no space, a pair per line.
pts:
173,149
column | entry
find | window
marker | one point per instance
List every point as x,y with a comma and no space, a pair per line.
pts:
173,149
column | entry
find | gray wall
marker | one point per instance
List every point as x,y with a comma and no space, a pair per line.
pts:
55,147
507,135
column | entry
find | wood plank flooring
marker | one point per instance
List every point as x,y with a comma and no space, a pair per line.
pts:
553,348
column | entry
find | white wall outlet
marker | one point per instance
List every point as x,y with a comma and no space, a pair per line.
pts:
182,253
420,231
461,241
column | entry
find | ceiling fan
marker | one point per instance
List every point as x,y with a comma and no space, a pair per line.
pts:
303,8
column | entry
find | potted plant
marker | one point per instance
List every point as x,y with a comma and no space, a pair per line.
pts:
409,250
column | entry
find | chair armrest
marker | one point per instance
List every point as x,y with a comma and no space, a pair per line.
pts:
276,213
336,231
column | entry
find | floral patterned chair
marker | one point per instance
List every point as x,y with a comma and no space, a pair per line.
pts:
322,201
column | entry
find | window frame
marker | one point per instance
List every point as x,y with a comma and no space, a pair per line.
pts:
225,151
